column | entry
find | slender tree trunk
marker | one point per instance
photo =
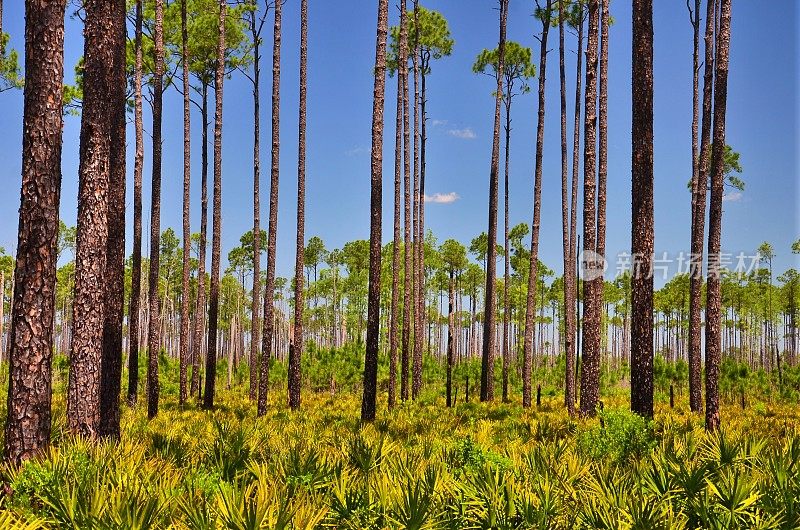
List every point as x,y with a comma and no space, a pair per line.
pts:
490,309
187,234
416,369
713,294
153,335
27,426
602,175
216,234
83,394
200,308
376,175
642,236
451,322
407,241
111,365
272,229
571,290
699,194
506,257
134,321
296,352
3,307
590,363
255,308
530,303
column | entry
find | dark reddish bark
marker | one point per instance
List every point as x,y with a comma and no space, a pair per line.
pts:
272,229
27,427
407,241
642,236
368,403
416,361
713,291
111,374
490,306
295,376
187,234
216,234
83,393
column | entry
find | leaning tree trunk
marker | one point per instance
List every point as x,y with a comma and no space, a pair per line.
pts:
490,309
398,168
83,393
699,193
111,365
296,352
134,322
376,175
590,364
642,235
713,291
27,428
272,229
187,234
530,303
216,234
153,335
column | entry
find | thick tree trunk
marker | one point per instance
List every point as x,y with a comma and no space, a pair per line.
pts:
376,175
530,303
699,194
272,229
642,236
83,393
490,309
216,234
111,367
590,362
27,427
295,376
187,234
153,335
416,361
602,175
134,320
714,294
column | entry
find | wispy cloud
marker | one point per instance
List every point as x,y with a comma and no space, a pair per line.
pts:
357,150
437,123
465,134
442,198
733,196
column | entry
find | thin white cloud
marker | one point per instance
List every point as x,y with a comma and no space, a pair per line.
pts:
358,150
442,198
733,196
465,134
437,123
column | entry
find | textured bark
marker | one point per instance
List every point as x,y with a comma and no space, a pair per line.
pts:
398,168
421,321
200,307
590,362
216,234
27,426
416,368
602,172
376,176
506,255
699,197
451,322
2,311
713,291
154,324
642,209
134,321
490,308
83,393
272,229
530,303
295,353
407,241
255,307
571,294
187,234
111,375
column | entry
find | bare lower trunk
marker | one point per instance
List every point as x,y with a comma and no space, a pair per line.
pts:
187,234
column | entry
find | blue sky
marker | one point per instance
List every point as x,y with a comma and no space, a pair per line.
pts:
762,126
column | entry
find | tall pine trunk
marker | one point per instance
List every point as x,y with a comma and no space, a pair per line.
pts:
27,427
416,361
713,291
506,253
216,234
490,309
200,307
407,221
83,393
642,233
272,229
295,353
187,234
